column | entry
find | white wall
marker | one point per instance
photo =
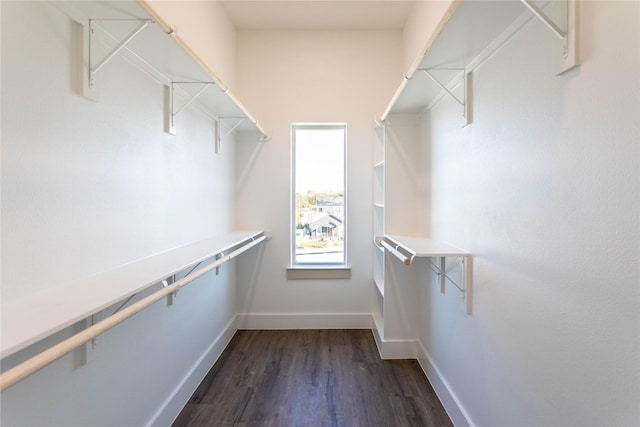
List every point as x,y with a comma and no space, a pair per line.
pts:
309,76
206,28
88,186
543,188
406,208
418,33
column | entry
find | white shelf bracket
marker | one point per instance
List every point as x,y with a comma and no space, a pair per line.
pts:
168,281
465,102
219,136
94,68
467,278
171,110
218,256
443,279
569,51
467,271
559,32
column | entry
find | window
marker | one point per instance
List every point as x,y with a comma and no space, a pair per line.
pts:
318,195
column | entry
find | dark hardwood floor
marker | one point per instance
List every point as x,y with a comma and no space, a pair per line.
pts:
311,378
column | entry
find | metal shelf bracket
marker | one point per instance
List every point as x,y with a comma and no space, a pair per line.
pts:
94,68
219,137
171,110
569,52
168,281
467,278
465,102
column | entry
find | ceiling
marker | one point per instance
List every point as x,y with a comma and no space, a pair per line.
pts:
318,14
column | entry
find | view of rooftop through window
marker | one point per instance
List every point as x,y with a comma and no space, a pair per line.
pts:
319,196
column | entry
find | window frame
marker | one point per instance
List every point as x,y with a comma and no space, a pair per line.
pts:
328,270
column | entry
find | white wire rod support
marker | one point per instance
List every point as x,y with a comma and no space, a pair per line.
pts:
238,123
93,70
193,97
402,257
439,272
194,267
443,87
559,32
124,303
433,268
34,364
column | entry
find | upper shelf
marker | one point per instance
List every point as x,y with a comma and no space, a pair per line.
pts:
162,54
62,306
472,27
472,32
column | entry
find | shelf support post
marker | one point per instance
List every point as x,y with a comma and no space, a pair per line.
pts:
166,282
218,256
172,112
443,277
467,262
94,69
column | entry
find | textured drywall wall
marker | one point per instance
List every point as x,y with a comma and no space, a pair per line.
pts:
543,189
309,76
424,20
88,186
207,30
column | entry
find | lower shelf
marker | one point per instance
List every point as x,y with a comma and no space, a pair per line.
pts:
65,305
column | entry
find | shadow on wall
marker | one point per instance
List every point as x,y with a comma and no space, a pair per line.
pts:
252,259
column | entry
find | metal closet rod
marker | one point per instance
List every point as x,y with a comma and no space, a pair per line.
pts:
39,361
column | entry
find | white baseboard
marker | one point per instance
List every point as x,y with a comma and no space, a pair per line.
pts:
396,349
171,407
305,321
447,396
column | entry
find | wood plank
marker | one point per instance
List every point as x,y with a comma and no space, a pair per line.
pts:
311,378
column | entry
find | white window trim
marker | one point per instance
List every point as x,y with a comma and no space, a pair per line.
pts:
311,272
316,270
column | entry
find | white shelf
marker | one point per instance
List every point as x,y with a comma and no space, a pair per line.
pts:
423,247
471,29
407,248
164,57
29,319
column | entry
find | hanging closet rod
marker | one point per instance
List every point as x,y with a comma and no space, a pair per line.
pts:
39,361
402,257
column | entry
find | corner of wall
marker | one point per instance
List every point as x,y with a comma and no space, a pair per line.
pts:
422,27
171,407
447,396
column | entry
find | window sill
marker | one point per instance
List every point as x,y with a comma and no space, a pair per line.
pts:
305,272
